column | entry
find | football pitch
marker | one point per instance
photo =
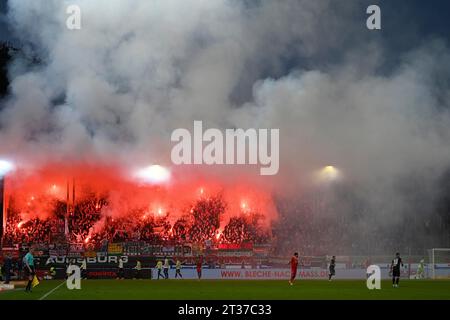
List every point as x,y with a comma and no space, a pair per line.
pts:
232,290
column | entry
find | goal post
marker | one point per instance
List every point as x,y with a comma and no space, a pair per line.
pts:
439,263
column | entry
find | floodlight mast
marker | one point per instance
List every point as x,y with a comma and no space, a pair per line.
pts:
5,168
2,208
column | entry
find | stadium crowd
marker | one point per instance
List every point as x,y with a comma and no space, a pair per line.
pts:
298,226
32,231
87,224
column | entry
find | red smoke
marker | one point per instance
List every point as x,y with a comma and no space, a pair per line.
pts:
34,192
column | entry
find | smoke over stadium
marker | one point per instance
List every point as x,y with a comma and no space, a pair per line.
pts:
86,109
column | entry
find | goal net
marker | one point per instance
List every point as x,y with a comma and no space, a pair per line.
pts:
439,263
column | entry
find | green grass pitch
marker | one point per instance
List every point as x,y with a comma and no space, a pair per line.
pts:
233,290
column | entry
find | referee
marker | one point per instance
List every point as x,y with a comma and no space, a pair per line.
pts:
28,261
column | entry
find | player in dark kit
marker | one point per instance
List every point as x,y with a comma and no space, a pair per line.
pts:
294,264
395,268
332,268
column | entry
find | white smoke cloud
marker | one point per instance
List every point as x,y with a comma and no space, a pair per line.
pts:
140,69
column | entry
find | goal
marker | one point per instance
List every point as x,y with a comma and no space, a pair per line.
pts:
439,263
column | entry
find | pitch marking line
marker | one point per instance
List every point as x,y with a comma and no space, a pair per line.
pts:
51,291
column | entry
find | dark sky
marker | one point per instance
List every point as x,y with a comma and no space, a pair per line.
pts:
405,22
3,33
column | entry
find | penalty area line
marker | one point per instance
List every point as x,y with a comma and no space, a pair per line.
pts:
51,291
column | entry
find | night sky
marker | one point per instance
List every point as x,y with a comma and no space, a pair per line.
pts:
405,22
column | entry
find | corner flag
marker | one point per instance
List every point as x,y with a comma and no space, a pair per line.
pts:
35,281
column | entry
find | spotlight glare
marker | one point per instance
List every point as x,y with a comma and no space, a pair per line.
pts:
330,173
154,174
5,167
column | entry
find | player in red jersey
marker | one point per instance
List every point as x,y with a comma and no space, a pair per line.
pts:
294,265
199,267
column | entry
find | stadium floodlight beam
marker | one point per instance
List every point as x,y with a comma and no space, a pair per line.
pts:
330,173
330,170
5,167
154,174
